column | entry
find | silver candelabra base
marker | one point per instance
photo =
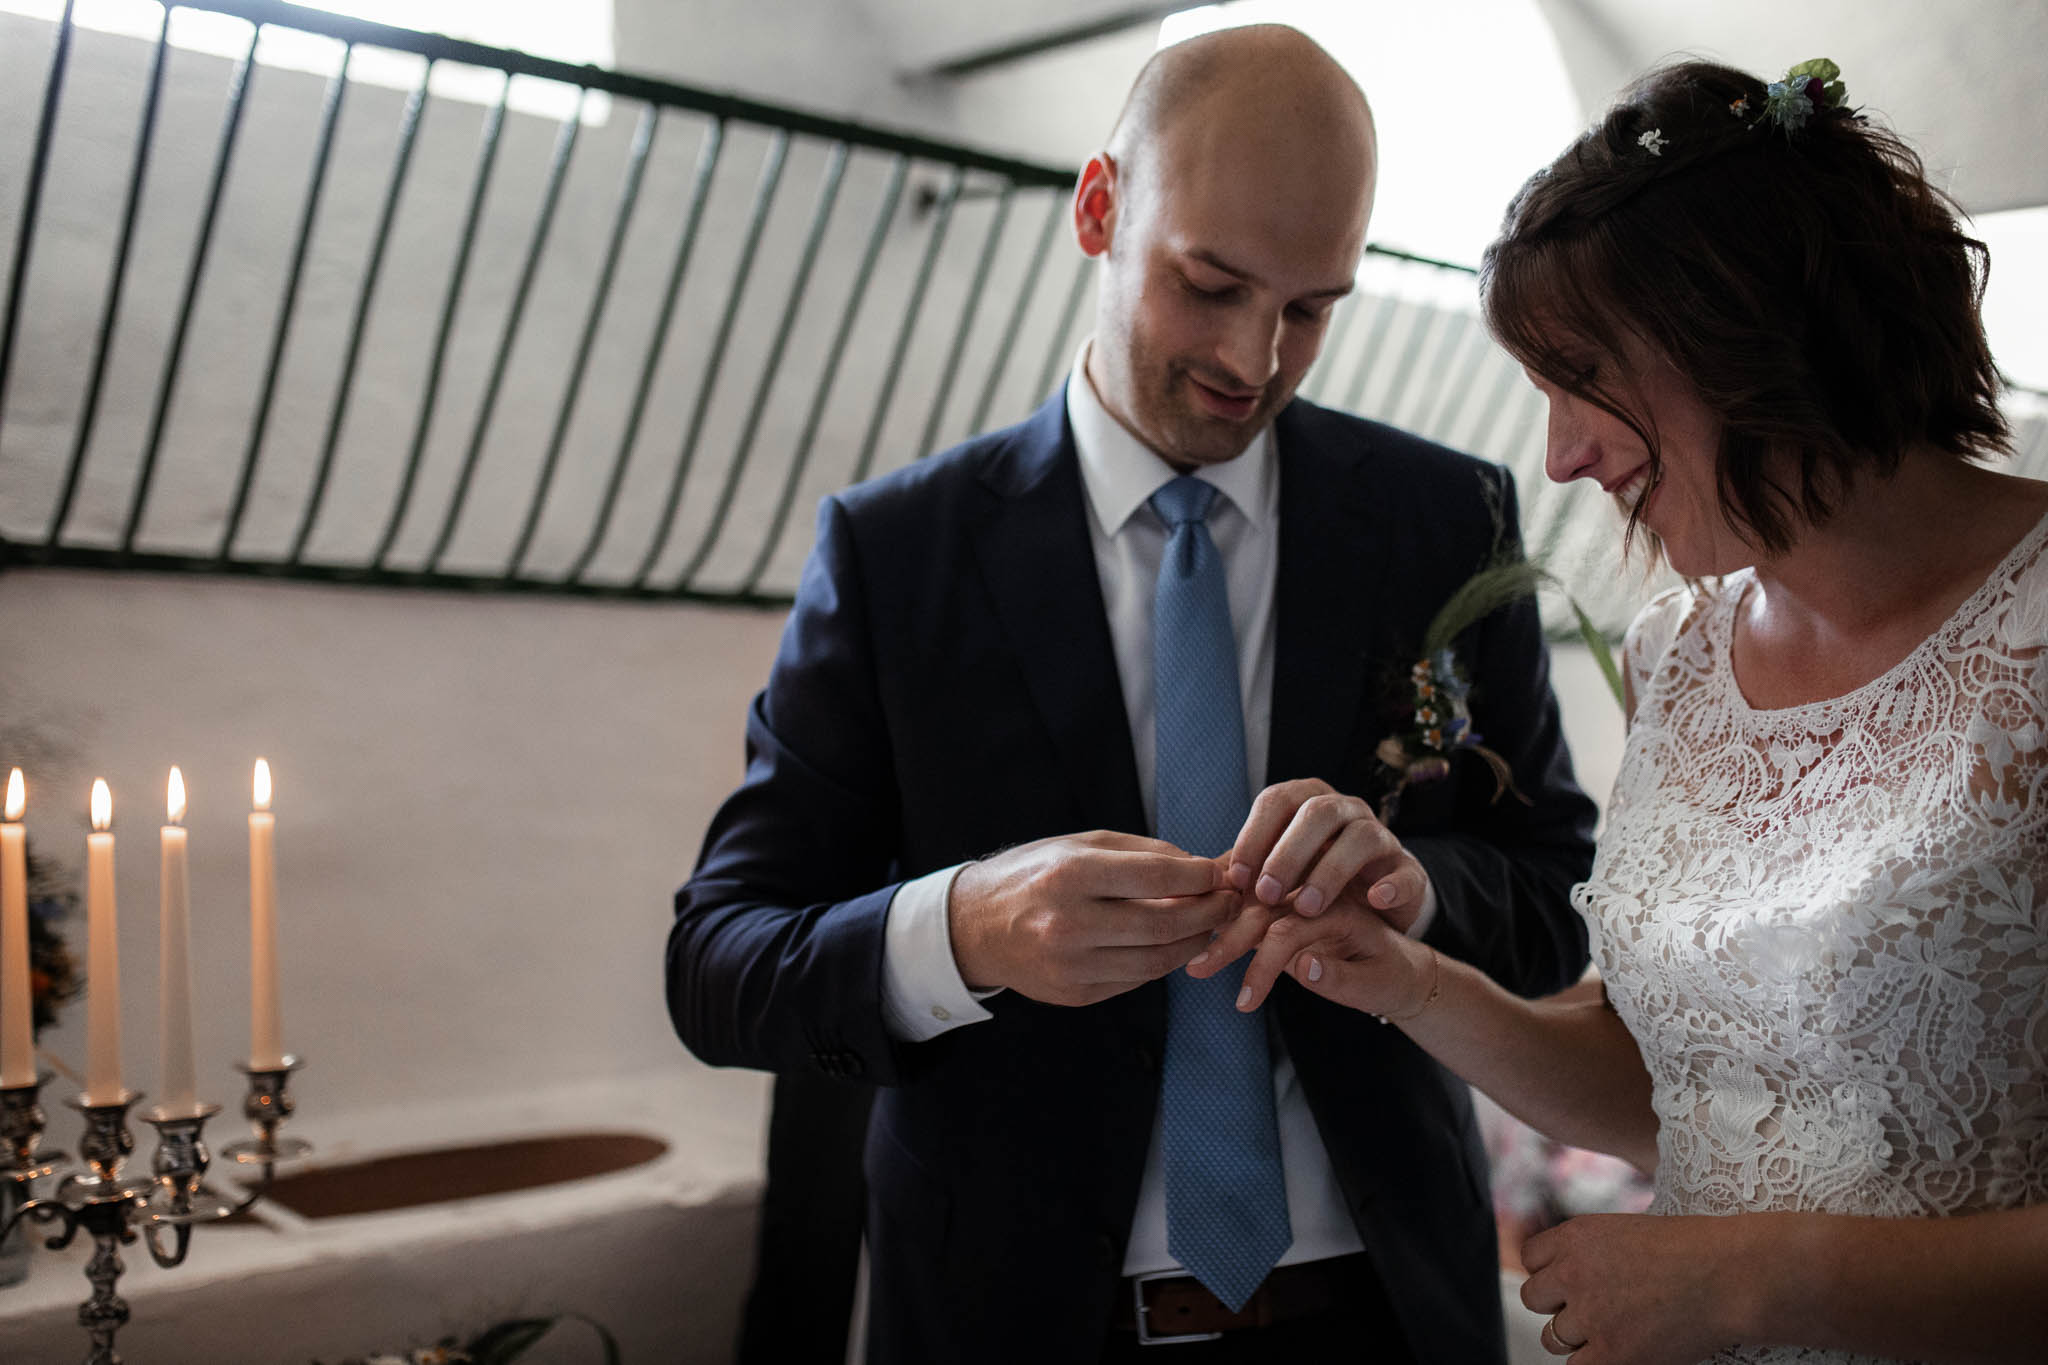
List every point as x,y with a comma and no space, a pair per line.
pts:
114,1209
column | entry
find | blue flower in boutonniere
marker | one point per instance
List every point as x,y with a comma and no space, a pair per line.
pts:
1438,689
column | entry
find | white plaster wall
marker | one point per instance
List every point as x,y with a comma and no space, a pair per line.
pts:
484,806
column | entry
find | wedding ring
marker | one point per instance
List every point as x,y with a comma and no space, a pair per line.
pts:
1553,1340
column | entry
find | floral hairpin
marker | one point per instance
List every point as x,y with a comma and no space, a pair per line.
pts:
1652,142
1789,102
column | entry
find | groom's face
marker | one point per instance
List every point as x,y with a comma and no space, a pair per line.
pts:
1227,247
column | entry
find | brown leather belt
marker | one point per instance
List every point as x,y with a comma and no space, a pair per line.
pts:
1171,1308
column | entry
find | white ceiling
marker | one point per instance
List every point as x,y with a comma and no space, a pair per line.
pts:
923,33
1961,79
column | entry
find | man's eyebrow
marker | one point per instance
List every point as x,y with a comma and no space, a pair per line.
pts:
1211,259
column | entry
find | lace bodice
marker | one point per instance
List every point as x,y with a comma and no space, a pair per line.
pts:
1827,926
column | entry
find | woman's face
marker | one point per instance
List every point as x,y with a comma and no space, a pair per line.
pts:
1681,502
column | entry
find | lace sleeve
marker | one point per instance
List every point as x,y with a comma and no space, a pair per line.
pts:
1649,638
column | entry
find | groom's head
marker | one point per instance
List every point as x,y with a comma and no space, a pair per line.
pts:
1229,209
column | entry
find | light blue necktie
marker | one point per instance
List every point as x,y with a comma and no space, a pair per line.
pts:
1226,1201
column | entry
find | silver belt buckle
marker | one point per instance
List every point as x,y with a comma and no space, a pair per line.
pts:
1146,1337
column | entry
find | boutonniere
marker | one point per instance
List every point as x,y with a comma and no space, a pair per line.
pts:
1436,694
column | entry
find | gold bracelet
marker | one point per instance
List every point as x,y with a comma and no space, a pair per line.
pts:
1436,989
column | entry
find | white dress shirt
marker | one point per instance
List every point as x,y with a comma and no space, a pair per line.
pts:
923,994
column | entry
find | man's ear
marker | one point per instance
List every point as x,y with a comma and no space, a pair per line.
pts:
1095,204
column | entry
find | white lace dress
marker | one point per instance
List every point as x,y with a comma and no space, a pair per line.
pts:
1827,926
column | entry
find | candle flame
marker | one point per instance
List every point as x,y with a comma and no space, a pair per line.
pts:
174,802
17,796
102,804
262,784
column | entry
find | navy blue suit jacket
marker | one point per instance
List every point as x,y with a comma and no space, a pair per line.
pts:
946,687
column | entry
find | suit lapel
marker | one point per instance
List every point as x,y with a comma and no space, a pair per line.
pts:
1335,561
1039,565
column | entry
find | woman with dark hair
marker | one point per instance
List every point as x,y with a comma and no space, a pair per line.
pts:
1820,908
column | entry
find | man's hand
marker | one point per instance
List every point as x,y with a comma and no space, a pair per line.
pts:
1307,847
1082,917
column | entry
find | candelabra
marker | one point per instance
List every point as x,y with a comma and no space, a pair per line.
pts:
113,1209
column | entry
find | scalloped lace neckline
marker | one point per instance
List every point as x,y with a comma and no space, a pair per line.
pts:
1722,634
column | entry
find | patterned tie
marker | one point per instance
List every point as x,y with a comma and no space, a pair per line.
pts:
1226,1201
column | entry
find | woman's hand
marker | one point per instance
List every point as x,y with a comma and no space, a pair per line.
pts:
1308,849
1634,1289
1308,843
1347,954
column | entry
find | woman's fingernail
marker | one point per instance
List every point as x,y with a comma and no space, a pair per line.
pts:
1315,969
1309,901
1240,875
1244,997
1270,890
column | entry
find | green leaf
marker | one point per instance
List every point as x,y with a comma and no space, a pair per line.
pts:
1597,643
1833,92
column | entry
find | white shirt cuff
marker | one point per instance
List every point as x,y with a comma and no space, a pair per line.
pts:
922,993
1427,915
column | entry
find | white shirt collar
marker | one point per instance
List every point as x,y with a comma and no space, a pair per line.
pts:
1121,472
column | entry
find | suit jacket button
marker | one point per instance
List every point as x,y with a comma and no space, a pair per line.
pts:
851,1064
1146,1058
1105,1251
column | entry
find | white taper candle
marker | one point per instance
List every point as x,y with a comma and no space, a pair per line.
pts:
103,957
174,977
266,1045
17,1016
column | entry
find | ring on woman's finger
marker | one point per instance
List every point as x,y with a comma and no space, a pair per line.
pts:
1553,1340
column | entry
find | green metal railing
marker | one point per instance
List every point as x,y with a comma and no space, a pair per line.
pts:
667,460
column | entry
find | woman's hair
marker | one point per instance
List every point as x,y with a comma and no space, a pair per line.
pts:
1810,284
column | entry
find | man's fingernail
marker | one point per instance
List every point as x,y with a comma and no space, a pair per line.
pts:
1270,890
1244,997
1309,901
1315,969
1383,894
1198,959
1240,875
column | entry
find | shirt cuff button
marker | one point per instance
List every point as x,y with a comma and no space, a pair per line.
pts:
941,1013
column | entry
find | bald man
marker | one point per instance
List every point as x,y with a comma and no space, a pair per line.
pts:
943,875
